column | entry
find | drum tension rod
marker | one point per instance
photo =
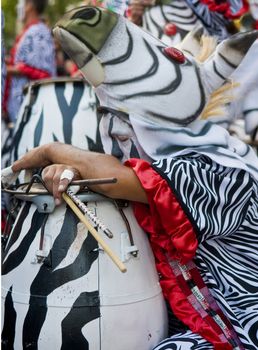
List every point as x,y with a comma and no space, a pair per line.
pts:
36,178
9,224
120,204
43,256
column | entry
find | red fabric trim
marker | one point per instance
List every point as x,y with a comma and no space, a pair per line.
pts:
31,72
256,24
209,303
182,243
171,233
209,320
223,7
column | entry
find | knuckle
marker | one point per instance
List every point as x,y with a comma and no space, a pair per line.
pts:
56,178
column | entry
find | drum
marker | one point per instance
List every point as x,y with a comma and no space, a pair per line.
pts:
60,290
61,110
6,142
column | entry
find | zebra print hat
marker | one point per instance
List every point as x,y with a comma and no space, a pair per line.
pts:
162,91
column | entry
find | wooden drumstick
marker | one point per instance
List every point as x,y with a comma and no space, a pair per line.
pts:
94,233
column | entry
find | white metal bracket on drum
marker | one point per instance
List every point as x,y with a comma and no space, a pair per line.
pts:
126,248
44,203
43,253
40,256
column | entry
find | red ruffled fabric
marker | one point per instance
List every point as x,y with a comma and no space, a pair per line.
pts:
171,234
223,7
164,218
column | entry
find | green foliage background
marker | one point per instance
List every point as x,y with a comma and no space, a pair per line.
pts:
55,10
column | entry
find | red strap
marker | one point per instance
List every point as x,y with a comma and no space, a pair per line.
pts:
31,72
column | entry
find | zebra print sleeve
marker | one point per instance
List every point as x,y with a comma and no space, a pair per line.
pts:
215,198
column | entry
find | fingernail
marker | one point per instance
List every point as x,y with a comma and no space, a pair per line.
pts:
61,188
57,201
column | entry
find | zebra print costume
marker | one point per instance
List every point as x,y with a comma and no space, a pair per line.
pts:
185,15
222,203
216,22
177,12
245,104
150,113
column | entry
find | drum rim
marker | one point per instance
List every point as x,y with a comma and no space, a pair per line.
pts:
47,81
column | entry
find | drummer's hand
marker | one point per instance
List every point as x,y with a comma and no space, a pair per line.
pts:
36,158
51,176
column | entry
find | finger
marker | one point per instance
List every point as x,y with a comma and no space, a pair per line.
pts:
65,178
47,176
33,159
63,184
56,193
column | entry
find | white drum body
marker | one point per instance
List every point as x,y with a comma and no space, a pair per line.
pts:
6,143
76,298
61,110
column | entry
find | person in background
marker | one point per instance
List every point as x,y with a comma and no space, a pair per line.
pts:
32,56
3,68
216,16
3,79
65,67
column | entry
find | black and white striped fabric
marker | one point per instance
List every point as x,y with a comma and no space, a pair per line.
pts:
184,341
245,104
150,109
222,202
201,136
177,12
185,14
214,22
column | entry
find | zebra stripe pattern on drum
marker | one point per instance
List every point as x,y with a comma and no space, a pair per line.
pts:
57,283
57,110
50,278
